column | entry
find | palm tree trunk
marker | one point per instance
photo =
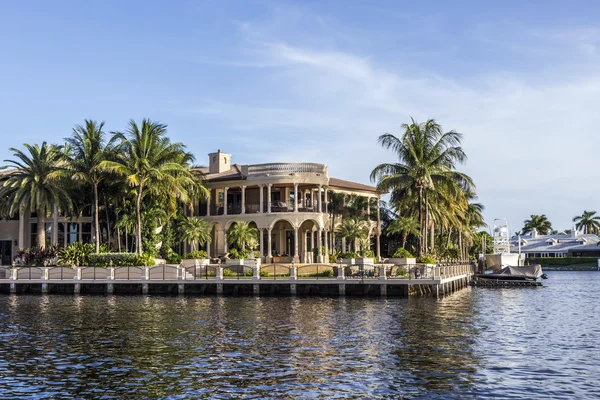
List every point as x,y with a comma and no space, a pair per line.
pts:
126,239
432,238
420,241
41,228
138,209
96,218
460,246
119,239
404,237
107,223
426,224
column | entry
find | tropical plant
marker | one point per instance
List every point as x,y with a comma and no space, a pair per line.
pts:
37,255
402,253
426,259
76,254
588,222
404,226
86,152
197,255
195,230
151,163
353,229
538,222
427,158
35,183
240,233
336,207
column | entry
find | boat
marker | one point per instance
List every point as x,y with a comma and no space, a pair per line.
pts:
504,265
512,273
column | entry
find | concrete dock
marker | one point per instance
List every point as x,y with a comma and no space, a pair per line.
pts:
303,279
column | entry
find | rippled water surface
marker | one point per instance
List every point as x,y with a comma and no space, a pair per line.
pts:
477,343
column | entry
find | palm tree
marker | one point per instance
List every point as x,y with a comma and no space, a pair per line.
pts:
150,163
36,183
195,230
538,222
427,158
404,226
86,152
241,233
352,229
588,222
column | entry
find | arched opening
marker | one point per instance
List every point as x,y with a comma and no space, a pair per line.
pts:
311,242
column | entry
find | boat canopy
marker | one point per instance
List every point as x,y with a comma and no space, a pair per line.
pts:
529,271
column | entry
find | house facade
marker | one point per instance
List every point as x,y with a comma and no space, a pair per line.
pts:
574,243
286,202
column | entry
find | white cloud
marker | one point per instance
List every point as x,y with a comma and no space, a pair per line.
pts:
531,139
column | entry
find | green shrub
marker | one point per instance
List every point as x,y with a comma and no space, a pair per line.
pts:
426,259
37,256
198,254
236,254
334,255
171,257
402,253
76,254
563,260
367,253
120,260
401,272
227,272
350,254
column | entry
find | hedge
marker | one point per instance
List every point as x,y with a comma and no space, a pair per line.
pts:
119,260
562,260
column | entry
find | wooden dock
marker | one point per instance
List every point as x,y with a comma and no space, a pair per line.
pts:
323,279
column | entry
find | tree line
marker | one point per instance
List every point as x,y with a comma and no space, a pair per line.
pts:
588,222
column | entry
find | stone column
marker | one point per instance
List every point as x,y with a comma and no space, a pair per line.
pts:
319,244
261,200
295,197
261,232
326,255
312,199
21,243
55,225
296,258
208,243
368,206
320,200
225,200
269,201
326,199
243,199
269,246
208,203
225,244
305,247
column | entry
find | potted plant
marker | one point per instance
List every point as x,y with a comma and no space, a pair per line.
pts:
402,257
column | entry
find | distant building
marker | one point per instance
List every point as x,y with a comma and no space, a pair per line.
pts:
558,245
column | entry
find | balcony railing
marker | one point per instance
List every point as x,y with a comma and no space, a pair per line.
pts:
254,208
286,168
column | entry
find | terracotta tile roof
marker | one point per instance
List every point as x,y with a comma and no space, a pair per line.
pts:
342,184
233,174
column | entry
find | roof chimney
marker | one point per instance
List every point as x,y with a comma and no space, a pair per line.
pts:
219,162
573,232
534,233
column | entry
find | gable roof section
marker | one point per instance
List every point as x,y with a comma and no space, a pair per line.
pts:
233,174
347,185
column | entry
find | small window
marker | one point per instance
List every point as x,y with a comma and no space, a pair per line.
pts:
225,160
214,159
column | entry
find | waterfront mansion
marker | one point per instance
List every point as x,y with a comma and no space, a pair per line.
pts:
287,202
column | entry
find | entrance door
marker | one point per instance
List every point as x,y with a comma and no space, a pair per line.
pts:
5,252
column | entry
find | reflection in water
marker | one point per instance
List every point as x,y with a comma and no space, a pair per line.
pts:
475,343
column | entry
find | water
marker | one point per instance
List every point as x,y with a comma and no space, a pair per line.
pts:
477,343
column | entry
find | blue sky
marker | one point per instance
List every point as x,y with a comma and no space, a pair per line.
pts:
320,81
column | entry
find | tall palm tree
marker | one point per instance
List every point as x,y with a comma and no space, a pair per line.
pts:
86,152
352,229
240,233
404,226
195,230
538,222
427,158
589,222
36,183
150,163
